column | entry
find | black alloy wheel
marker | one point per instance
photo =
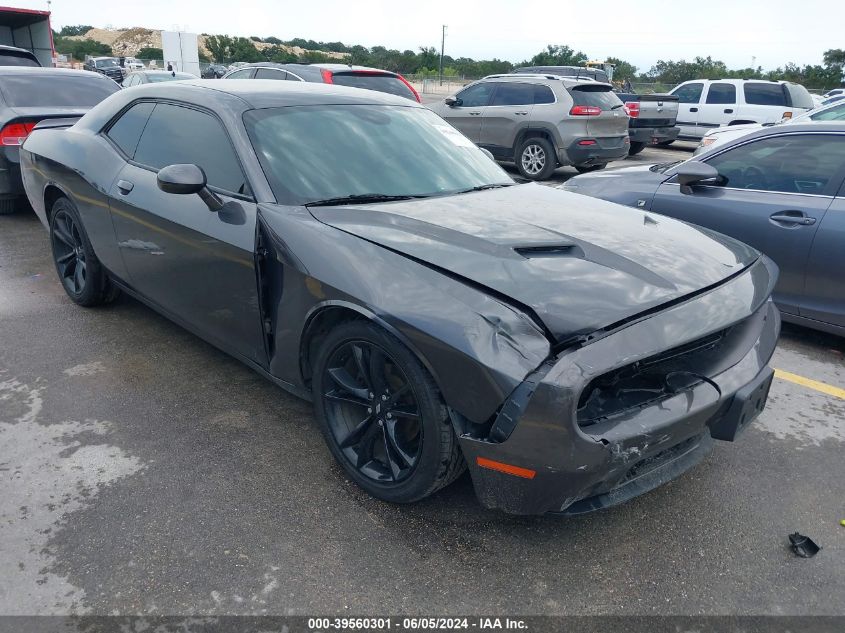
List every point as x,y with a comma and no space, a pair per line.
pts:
69,253
382,414
82,276
373,412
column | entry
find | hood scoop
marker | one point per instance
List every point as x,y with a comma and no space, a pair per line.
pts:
550,250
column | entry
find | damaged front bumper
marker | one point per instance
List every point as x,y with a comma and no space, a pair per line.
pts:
590,429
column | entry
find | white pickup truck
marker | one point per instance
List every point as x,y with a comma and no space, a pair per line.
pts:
705,104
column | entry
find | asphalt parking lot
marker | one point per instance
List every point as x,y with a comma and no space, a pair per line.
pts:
144,471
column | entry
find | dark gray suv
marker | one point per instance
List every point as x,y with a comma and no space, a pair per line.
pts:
541,122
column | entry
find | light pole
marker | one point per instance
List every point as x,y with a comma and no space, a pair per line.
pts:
442,46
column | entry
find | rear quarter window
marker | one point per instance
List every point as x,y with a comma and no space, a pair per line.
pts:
391,84
598,96
764,94
18,60
56,91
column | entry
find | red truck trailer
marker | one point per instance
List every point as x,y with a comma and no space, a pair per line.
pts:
28,29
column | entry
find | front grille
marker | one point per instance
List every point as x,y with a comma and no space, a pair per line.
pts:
649,380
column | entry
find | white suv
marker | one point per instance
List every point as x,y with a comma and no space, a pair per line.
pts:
710,103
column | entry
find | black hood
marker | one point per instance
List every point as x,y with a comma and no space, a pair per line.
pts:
578,263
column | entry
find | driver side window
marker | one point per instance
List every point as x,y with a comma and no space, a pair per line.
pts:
476,96
809,164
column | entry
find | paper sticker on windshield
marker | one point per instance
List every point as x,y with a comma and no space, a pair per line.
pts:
456,137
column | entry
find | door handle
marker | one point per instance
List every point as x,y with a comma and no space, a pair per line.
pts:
520,112
474,113
793,217
729,110
693,109
125,186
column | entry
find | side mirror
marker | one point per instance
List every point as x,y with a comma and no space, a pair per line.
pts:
186,179
488,153
452,101
692,173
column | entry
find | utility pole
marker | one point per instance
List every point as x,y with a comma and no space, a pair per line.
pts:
442,46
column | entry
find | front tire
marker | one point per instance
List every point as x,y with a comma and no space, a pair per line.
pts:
584,169
535,159
636,148
7,207
382,415
82,276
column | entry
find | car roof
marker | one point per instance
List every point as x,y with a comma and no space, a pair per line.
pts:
741,81
15,49
546,79
830,127
49,72
333,67
269,93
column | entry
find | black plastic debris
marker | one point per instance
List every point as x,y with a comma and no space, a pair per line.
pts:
803,546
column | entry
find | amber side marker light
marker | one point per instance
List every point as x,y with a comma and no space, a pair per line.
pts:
509,469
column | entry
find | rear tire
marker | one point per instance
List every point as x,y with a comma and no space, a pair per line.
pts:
7,207
83,277
535,158
382,415
666,143
636,148
584,169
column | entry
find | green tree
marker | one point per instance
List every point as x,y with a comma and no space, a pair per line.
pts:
80,29
78,49
227,49
150,53
559,55
623,69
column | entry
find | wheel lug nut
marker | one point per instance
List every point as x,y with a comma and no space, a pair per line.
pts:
381,422
389,416
369,410
384,397
370,395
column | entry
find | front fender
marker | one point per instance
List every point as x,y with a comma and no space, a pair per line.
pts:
477,348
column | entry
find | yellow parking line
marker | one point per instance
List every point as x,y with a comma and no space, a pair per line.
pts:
830,390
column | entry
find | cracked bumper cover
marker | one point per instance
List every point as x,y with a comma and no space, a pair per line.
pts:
582,469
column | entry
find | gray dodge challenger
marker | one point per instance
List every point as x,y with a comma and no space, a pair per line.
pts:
358,251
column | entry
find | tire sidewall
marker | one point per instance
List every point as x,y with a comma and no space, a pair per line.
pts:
424,479
92,289
551,159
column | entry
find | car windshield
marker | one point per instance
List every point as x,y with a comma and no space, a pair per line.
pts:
106,63
72,91
313,153
157,77
17,60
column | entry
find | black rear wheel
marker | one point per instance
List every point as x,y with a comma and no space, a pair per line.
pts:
79,270
382,415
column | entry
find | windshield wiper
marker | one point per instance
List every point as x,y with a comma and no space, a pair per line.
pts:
662,167
360,198
485,187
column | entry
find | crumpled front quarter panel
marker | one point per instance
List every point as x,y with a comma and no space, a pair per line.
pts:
477,348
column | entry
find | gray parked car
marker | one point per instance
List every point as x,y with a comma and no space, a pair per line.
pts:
339,74
780,189
141,77
541,122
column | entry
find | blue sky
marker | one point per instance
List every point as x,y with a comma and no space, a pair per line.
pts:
641,31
